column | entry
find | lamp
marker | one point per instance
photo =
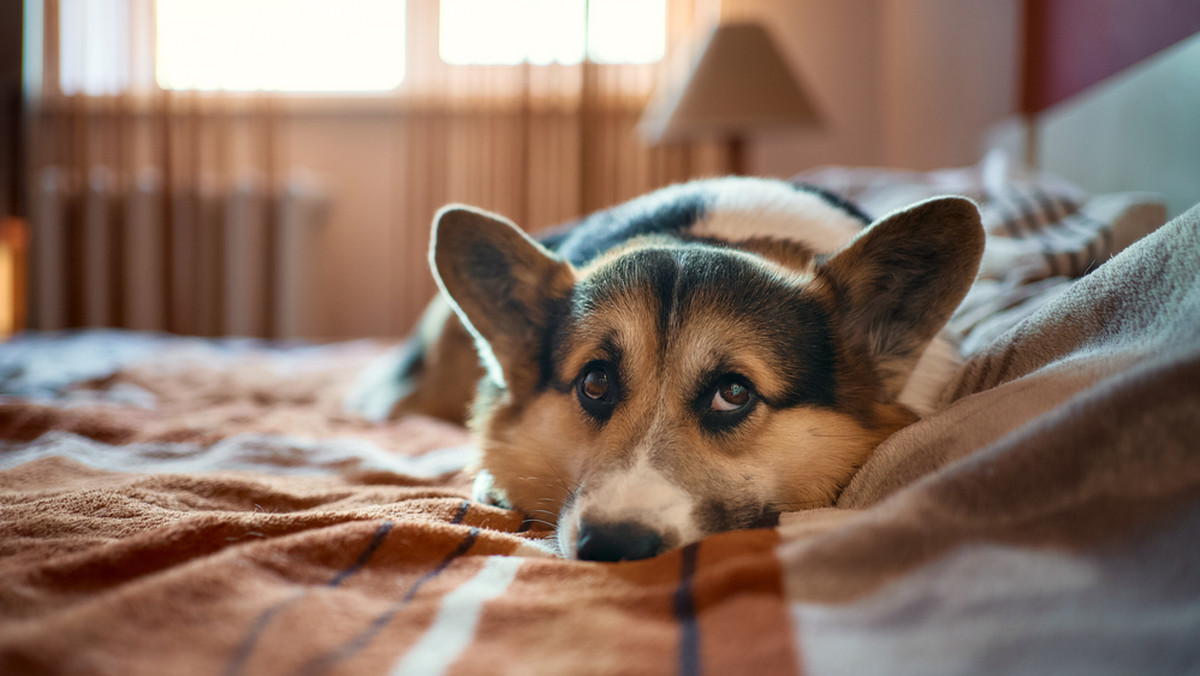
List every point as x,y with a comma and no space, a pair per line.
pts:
740,83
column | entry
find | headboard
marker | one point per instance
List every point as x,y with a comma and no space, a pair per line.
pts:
1111,94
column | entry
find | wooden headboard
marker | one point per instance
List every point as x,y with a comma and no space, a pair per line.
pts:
1111,94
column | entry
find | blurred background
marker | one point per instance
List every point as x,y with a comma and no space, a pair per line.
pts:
270,167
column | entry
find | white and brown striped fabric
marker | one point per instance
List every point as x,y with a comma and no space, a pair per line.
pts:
180,506
1043,232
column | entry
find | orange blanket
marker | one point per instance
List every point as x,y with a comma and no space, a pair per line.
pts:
171,506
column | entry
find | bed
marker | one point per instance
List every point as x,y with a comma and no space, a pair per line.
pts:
178,505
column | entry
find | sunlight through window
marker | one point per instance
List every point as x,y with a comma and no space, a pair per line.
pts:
547,31
627,31
94,46
281,45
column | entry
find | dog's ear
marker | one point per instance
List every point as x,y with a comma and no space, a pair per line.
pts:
500,282
901,279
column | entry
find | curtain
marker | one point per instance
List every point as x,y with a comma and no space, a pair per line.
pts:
541,144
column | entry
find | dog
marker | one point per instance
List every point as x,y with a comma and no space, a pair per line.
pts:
693,361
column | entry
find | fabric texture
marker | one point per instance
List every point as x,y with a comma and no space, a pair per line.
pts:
180,506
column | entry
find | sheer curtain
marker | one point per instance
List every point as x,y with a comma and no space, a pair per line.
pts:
539,143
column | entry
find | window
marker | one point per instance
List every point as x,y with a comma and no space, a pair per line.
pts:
546,31
111,46
94,42
283,45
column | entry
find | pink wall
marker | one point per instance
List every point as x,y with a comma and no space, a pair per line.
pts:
907,83
1073,44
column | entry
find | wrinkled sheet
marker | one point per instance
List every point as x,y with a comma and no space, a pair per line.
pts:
173,505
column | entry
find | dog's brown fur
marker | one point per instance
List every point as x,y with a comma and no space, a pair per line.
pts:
668,318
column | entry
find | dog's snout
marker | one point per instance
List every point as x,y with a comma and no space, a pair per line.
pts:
619,541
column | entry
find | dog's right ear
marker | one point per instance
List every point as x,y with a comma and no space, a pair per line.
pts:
900,280
500,282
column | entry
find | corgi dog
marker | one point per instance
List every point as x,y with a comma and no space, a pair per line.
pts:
696,360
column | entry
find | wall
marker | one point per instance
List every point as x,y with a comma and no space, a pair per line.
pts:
1074,44
905,83
950,71
834,49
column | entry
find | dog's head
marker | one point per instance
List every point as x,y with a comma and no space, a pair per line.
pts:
669,389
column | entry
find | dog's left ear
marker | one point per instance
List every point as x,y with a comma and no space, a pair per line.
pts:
901,279
500,282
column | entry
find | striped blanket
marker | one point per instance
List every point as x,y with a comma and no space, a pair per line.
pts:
1043,232
178,506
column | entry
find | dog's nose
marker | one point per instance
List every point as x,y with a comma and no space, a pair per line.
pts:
623,540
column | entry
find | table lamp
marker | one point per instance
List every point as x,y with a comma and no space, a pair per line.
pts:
740,83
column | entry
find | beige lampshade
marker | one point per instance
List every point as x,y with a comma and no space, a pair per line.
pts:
740,83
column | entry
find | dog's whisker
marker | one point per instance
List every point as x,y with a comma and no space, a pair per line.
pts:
560,484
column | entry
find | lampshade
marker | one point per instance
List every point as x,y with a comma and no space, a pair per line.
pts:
739,83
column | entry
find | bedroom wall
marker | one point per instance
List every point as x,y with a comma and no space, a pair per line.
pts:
1074,44
833,48
906,83
950,71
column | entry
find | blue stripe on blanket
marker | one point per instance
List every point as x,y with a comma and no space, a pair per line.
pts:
246,648
685,612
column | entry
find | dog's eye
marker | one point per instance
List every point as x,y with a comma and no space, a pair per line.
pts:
594,384
597,390
725,402
730,396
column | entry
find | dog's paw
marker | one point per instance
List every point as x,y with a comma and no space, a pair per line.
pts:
484,490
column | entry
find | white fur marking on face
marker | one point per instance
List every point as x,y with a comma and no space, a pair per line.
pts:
484,490
639,494
568,529
747,208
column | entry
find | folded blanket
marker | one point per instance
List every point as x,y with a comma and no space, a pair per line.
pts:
1043,232
187,507
1048,521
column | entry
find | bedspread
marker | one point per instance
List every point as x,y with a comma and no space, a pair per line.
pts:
173,505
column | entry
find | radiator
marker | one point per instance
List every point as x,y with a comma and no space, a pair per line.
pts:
205,259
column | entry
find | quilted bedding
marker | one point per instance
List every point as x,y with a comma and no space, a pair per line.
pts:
172,505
